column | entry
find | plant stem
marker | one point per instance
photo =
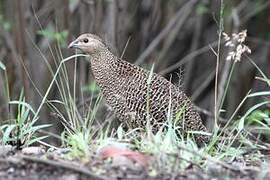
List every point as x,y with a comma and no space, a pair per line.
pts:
218,60
54,78
226,87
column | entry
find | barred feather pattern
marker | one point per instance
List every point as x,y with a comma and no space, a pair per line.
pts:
134,99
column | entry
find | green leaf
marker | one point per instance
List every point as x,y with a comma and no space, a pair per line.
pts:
46,33
261,123
92,87
6,134
201,9
242,120
7,26
22,119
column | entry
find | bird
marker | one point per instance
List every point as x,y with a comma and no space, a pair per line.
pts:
138,96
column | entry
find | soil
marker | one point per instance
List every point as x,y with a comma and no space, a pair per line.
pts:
19,165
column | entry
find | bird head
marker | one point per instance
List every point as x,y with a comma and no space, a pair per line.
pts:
88,43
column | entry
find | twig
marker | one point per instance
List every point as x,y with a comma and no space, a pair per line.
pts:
191,65
208,113
81,104
203,86
89,2
111,20
174,32
109,119
72,167
254,12
223,164
257,140
125,48
188,57
163,33
49,133
178,156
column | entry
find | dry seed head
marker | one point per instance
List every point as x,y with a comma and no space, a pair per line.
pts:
226,37
236,44
242,36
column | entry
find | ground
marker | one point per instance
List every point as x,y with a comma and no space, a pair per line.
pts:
40,165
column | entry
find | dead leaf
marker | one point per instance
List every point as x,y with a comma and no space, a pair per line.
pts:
113,151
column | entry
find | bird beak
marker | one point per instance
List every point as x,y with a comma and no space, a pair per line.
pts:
74,44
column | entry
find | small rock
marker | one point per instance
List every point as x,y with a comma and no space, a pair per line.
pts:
33,150
69,177
10,170
14,159
192,177
23,173
4,150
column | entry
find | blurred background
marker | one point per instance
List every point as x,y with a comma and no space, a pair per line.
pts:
175,35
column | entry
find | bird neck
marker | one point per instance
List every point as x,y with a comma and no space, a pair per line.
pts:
102,65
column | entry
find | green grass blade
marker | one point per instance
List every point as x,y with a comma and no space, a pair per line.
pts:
261,93
36,140
242,120
6,133
54,79
21,103
2,66
261,72
32,130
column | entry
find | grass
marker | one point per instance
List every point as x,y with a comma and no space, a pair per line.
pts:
166,146
83,135
21,131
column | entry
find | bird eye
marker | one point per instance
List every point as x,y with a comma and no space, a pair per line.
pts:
85,40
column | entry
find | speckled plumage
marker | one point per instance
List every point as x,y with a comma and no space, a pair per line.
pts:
126,88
